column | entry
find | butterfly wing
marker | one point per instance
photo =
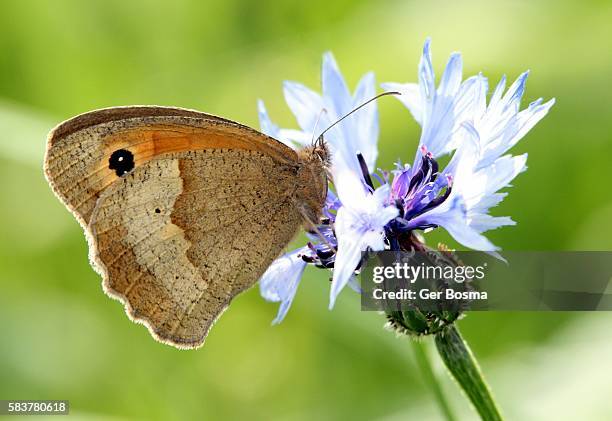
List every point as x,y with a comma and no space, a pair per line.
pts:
205,208
179,237
79,150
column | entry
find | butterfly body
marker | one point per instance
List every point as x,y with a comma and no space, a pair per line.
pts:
182,210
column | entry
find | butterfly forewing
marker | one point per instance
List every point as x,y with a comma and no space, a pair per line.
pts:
79,151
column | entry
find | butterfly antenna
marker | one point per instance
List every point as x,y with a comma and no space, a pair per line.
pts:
358,108
316,125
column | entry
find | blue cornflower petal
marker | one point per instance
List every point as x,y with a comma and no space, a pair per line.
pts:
410,97
357,133
360,225
435,109
451,78
474,191
305,104
452,216
291,138
366,121
439,116
512,98
280,281
514,129
497,93
266,125
471,99
335,92
347,259
353,283
427,78
496,176
483,222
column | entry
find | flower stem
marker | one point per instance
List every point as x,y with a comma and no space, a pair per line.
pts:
420,352
460,361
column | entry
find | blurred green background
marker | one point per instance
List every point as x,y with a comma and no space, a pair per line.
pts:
62,338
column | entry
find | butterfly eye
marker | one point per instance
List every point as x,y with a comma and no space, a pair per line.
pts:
122,161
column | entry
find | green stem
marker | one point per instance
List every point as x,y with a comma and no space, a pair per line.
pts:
424,363
460,361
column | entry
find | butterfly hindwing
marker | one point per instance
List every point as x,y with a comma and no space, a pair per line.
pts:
180,236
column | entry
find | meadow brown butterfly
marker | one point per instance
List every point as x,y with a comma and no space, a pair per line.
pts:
182,210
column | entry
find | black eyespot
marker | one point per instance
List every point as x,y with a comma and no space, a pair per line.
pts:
122,161
157,210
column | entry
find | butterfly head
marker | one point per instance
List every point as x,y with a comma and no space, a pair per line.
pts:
314,164
320,150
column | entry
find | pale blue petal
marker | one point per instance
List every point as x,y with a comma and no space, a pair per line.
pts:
453,218
410,97
499,174
283,309
349,188
467,236
366,89
359,225
531,116
290,138
426,74
463,158
437,131
373,239
471,100
438,115
366,120
295,137
451,78
347,259
483,222
512,98
354,284
305,104
480,97
497,93
516,129
386,215
266,125
334,88
497,256
487,202
280,281
344,159
337,100
381,194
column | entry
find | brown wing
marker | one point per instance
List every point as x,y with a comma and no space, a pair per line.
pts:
180,236
78,150
206,207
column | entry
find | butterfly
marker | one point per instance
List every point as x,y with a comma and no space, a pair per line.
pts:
182,210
